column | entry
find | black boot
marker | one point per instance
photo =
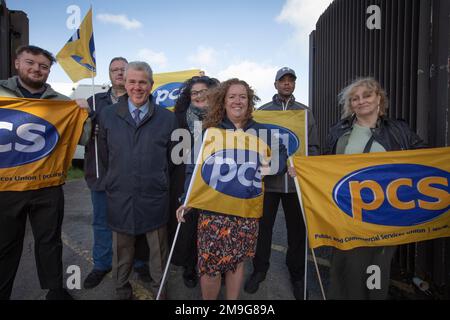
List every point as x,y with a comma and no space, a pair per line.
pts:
190,278
298,288
58,294
94,278
252,284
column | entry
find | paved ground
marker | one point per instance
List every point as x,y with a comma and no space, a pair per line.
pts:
77,238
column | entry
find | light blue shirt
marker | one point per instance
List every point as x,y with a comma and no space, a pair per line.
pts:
144,109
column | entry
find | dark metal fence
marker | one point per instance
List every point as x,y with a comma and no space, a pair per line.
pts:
410,56
4,42
13,33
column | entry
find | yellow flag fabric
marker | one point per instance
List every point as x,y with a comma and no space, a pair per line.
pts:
376,199
77,57
167,86
37,142
291,126
226,178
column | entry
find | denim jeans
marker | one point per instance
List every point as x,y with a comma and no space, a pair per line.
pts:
102,250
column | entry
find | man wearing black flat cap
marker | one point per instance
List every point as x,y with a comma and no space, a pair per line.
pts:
282,187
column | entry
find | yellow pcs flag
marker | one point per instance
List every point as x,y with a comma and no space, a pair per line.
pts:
37,142
77,57
168,86
291,126
376,199
226,178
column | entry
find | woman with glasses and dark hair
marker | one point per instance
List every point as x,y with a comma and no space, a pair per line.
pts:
192,103
190,108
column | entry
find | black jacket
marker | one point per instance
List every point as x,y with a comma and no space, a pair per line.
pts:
393,135
137,161
102,100
185,251
177,184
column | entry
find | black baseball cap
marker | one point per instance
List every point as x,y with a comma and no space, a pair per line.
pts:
284,71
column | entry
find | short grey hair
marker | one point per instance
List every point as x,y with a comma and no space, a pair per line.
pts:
140,66
118,59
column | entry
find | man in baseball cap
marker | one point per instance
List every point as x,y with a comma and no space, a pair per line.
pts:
284,71
282,188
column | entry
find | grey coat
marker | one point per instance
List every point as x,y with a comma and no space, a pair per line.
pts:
137,163
9,88
284,183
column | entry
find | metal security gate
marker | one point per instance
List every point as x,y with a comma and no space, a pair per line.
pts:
4,41
409,53
13,33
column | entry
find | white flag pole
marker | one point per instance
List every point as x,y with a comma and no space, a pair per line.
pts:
94,128
299,194
188,194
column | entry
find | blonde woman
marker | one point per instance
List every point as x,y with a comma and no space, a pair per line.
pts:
364,128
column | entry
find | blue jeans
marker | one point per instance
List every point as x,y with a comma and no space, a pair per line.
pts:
102,250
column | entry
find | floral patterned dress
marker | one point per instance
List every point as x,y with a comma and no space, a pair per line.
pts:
224,241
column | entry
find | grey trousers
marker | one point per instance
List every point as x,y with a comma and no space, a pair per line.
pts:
124,250
348,273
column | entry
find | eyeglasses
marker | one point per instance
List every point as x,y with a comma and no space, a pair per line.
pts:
197,93
117,70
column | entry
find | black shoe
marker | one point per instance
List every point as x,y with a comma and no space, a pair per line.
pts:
58,294
94,278
252,284
298,290
143,274
190,278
